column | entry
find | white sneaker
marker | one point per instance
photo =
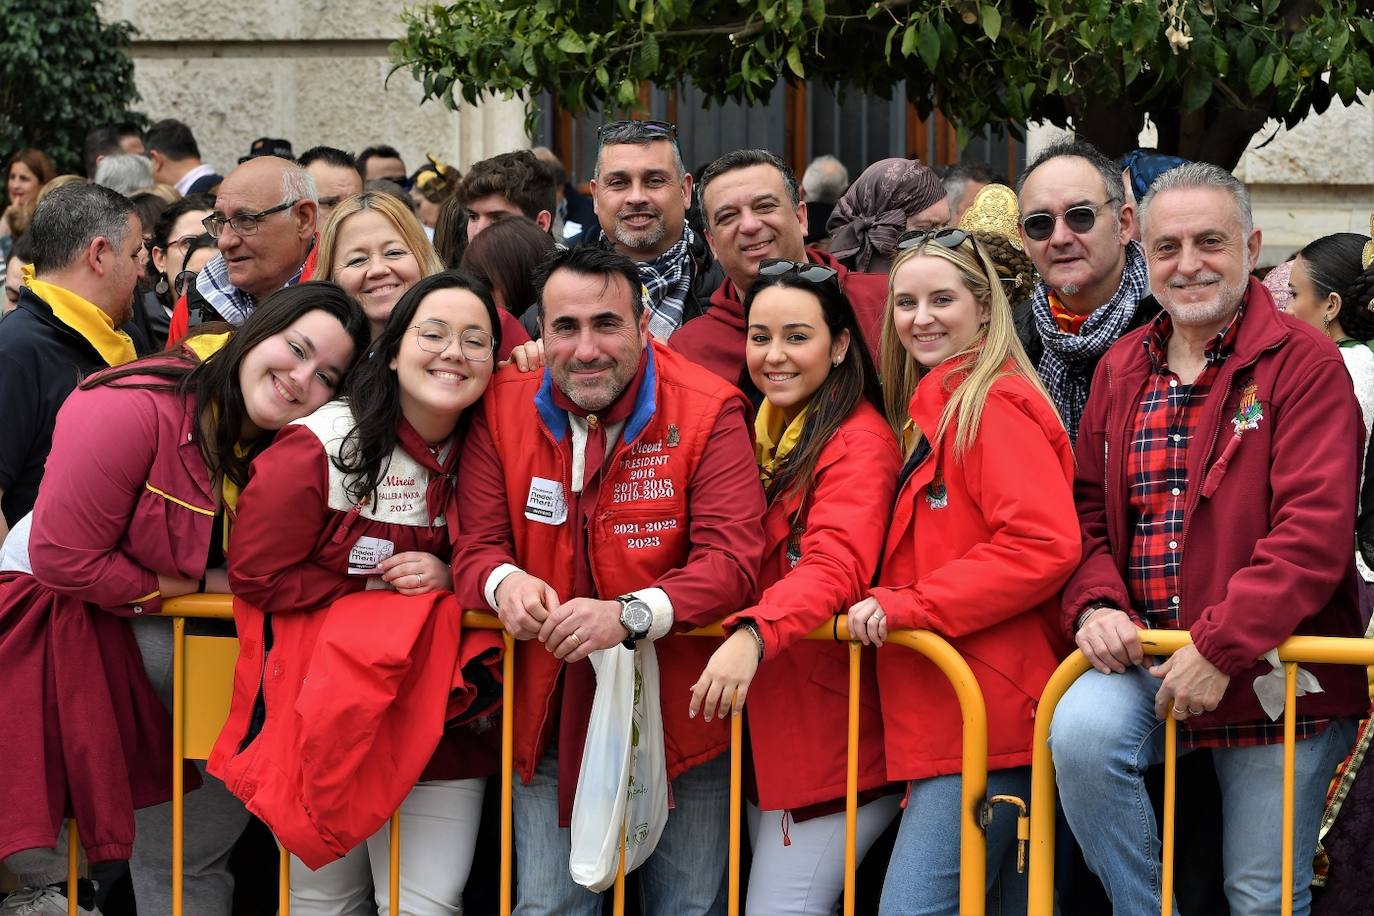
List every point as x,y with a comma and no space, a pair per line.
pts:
41,901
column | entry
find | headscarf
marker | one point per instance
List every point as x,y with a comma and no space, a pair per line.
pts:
1146,165
868,220
1276,281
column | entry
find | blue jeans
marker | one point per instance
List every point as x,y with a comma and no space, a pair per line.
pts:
923,874
1103,738
685,876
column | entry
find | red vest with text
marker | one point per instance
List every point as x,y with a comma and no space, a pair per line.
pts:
639,530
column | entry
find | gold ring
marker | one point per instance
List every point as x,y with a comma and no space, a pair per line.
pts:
576,637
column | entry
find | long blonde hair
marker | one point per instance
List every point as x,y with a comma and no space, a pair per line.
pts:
994,344
412,233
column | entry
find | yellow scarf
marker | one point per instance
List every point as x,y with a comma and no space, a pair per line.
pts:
773,443
203,345
113,345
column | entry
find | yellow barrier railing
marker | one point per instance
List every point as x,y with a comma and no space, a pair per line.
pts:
972,849
1292,652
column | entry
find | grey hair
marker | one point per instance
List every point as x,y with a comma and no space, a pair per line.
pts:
825,179
1200,175
1081,149
68,219
125,173
298,184
635,132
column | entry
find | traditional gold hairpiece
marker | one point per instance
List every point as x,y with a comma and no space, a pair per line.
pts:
994,211
1367,257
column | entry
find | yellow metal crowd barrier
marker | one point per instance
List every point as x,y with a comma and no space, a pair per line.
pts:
199,711
1292,652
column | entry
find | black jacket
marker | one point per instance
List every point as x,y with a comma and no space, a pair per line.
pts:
707,274
41,361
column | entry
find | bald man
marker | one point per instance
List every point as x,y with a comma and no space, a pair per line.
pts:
264,226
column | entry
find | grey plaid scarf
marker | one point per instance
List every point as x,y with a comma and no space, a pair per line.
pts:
1067,365
667,280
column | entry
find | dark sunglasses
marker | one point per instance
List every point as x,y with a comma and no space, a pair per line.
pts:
810,273
945,238
1079,219
183,281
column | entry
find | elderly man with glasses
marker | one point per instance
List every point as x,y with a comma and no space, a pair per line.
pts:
1077,228
264,226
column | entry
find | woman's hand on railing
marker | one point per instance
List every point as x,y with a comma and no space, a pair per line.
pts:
725,680
868,622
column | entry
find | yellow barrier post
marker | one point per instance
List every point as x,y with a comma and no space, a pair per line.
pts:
395,862
736,802
1166,906
851,782
1331,650
507,767
73,847
284,883
178,739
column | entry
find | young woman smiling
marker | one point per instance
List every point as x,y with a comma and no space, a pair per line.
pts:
140,488
828,464
360,495
982,538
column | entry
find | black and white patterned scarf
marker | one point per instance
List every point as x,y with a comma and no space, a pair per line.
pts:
667,280
1067,365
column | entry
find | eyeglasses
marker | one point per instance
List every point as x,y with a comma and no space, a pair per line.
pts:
811,273
244,223
434,336
183,282
945,238
1079,219
646,129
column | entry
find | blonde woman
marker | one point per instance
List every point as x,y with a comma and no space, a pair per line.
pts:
983,535
376,249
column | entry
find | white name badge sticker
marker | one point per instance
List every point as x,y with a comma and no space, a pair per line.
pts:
368,554
546,503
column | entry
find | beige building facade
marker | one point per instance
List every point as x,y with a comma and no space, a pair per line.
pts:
308,71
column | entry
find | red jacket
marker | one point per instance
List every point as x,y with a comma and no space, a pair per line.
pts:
799,700
84,732
979,547
1270,503
715,339
353,699
648,530
126,496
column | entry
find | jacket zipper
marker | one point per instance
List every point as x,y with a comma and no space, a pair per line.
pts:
258,717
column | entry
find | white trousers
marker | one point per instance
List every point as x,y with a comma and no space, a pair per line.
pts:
806,876
439,823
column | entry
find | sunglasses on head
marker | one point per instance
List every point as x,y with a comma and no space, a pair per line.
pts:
1079,219
645,129
946,238
811,273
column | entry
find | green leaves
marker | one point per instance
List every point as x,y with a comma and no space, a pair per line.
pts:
992,21
928,45
1261,74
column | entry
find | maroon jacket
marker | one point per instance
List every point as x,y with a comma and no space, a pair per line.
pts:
1271,502
716,339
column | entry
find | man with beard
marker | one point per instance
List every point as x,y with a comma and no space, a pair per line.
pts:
641,192
86,241
612,498
1077,227
1198,436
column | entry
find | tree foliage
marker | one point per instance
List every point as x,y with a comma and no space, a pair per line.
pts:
62,72
1207,73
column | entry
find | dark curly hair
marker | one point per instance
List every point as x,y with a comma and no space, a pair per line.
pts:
1013,266
1333,264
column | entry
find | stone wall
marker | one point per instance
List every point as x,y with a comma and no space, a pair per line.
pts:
310,71
1313,180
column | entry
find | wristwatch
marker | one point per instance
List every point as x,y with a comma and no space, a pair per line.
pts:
636,617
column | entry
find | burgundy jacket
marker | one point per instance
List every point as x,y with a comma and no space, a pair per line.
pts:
1272,503
716,339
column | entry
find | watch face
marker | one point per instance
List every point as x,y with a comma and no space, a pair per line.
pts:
637,616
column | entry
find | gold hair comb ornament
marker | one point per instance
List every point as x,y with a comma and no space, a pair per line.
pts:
995,212
1367,258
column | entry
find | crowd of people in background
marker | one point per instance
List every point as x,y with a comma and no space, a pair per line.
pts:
1030,413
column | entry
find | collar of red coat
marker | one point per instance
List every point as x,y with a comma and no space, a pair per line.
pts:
636,404
730,303
935,389
1261,326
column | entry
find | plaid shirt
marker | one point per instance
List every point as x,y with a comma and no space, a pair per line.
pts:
1167,421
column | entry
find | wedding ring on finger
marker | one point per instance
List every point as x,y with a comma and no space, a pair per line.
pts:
577,640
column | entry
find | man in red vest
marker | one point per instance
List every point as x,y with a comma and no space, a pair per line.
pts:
610,499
